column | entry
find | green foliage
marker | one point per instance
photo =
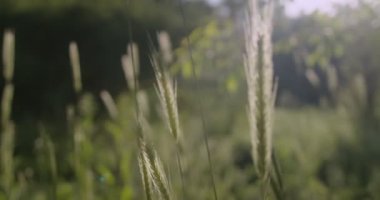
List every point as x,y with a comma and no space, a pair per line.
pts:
216,53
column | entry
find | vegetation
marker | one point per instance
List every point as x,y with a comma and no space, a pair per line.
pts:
231,106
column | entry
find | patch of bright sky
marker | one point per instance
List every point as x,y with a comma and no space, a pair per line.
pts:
297,7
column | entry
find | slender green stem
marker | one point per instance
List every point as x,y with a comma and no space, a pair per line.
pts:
179,162
277,171
276,189
197,88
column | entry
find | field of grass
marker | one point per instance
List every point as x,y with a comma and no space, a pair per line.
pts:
190,138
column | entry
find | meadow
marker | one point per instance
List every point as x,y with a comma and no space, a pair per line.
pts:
254,106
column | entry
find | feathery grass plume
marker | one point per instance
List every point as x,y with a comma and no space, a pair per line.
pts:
259,75
75,66
130,64
8,55
152,172
165,86
159,177
167,93
7,126
109,103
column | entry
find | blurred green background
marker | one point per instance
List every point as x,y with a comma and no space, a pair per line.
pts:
327,121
